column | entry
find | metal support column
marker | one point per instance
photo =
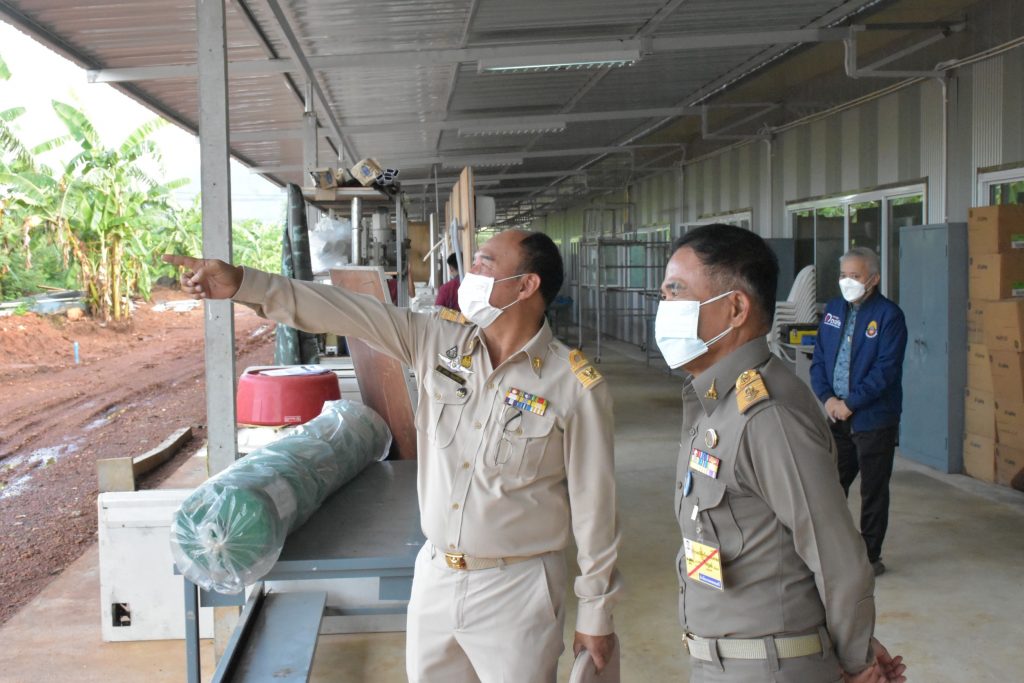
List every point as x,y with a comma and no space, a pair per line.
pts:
310,157
600,301
216,209
433,281
357,231
400,255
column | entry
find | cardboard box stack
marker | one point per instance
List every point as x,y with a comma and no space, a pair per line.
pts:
994,398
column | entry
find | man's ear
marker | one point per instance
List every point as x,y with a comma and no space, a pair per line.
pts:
529,284
742,307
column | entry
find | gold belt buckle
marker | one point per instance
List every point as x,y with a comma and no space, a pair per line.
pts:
455,560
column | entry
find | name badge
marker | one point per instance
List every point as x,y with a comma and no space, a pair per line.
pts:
703,564
458,379
517,398
705,463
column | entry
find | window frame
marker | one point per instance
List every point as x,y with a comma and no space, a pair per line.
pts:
884,196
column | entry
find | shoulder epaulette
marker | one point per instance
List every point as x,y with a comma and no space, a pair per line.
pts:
750,390
586,373
452,316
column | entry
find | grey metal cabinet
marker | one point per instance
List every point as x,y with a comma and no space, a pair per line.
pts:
933,296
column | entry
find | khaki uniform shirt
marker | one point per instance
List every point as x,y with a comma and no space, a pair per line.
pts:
494,480
791,557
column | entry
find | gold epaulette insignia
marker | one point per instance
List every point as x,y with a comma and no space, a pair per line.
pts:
588,375
750,390
577,360
452,316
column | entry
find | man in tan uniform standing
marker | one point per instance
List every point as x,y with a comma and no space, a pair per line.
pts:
515,448
774,584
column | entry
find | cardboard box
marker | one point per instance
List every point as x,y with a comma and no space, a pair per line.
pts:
1004,325
1010,423
1009,461
980,413
324,178
980,457
1008,376
367,170
996,276
995,229
979,368
976,321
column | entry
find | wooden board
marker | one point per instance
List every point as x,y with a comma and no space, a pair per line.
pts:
382,379
419,245
461,205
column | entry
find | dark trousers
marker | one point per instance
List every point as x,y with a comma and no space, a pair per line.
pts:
871,454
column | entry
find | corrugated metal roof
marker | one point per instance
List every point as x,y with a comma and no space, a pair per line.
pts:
406,114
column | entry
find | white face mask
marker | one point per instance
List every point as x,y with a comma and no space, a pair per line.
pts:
851,289
675,330
475,298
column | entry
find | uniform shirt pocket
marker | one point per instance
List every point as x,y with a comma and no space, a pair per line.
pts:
717,521
518,449
440,412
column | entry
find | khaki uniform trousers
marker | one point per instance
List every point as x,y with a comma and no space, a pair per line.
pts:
500,625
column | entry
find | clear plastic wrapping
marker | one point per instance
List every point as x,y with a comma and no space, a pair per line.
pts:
229,532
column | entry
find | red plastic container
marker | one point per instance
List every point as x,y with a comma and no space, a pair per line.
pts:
268,397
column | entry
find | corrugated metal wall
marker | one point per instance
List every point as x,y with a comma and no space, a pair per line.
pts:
893,140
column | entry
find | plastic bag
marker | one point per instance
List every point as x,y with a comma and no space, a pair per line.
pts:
230,531
330,243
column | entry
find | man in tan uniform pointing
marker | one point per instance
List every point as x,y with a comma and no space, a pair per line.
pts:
774,583
515,448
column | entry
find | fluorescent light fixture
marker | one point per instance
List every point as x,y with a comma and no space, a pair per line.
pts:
528,127
489,161
558,62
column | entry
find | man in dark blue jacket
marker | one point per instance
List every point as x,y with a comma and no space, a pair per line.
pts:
857,373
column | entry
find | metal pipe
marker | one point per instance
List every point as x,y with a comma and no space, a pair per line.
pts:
433,252
403,295
357,217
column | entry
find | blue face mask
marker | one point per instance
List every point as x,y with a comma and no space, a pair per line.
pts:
675,330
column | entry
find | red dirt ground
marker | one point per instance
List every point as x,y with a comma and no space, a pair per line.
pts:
135,384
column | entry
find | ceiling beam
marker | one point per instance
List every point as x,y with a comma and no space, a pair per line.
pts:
838,14
398,161
300,57
511,122
448,56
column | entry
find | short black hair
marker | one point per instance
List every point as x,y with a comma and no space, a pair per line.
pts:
736,258
541,256
453,260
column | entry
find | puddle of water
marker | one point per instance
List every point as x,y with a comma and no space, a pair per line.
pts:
40,456
258,331
98,422
15,487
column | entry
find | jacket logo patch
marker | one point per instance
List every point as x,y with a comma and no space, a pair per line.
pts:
833,321
872,330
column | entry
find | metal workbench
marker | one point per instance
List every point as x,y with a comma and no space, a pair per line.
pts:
368,528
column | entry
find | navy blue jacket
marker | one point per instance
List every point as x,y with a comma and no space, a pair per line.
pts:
876,360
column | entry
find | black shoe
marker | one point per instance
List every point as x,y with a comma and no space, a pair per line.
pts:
878,567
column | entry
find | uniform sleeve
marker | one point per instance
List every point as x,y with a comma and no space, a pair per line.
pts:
314,307
590,471
793,467
892,338
819,373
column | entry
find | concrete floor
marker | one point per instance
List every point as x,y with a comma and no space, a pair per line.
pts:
952,601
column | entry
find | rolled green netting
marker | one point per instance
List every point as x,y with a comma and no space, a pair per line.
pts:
230,531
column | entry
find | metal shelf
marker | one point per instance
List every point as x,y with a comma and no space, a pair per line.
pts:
341,197
593,296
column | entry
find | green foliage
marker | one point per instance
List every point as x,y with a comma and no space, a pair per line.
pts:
101,221
257,245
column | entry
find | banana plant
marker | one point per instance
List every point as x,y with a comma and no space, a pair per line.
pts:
109,210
